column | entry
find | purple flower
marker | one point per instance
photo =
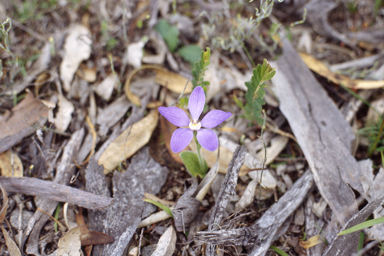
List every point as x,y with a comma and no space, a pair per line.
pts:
183,136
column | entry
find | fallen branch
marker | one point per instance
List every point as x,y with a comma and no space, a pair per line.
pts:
54,191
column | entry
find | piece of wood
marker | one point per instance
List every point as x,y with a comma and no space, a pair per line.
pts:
64,173
321,131
342,244
54,191
226,192
318,14
124,215
262,233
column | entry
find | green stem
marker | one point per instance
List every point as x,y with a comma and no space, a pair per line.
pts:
198,147
248,54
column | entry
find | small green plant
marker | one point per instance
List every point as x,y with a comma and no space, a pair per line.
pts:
161,206
170,34
111,42
279,251
255,93
374,134
12,63
199,69
363,225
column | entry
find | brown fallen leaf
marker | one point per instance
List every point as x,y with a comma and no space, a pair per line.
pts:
87,74
129,142
41,80
10,164
20,124
320,68
88,237
70,244
4,207
11,245
174,82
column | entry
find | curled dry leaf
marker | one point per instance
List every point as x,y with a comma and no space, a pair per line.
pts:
77,48
320,68
64,115
135,54
315,240
105,88
167,243
129,142
11,165
174,82
87,74
70,244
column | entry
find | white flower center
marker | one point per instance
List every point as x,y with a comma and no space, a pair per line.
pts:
194,125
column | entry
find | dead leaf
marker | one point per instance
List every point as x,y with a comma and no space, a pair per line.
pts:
77,48
11,245
135,54
11,165
26,114
105,88
4,206
70,244
89,237
41,80
167,243
320,68
174,82
311,242
130,141
64,115
87,74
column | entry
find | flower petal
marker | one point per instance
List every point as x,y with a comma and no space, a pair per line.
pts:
196,102
175,115
180,139
207,139
214,117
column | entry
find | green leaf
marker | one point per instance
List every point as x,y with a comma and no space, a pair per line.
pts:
191,162
161,206
361,241
199,69
190,53
169,33
363,225
279,251
256,93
